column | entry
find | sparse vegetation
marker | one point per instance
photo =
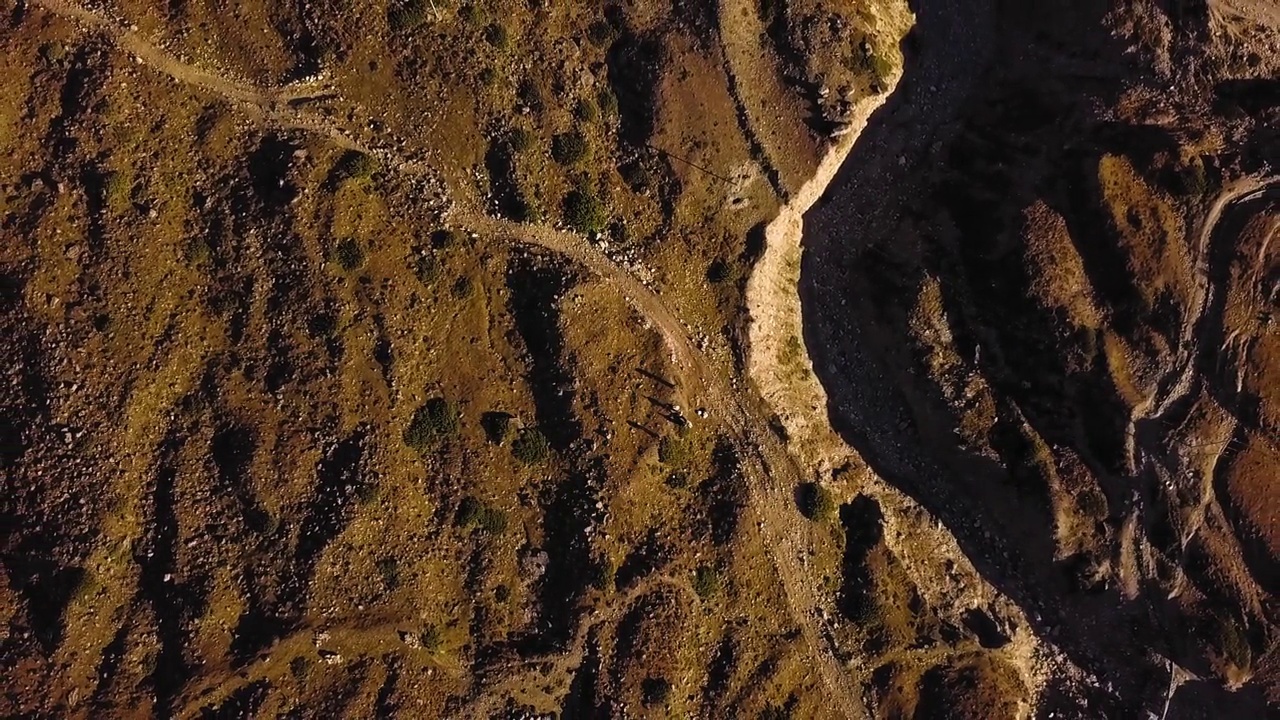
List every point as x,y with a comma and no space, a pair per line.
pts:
435,421
656,691
584,212
354,165
586,111
520,140
706,582
497,427
496,35
816,502
473,513
530,446
674,450
426,268
407,15
348,254
570,148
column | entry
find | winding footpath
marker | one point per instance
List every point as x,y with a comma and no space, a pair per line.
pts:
771,472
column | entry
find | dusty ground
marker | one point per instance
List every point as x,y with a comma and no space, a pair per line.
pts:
428,359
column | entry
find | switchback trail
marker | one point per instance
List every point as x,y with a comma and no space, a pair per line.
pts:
771,472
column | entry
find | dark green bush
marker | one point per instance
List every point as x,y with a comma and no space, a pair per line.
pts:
407,15
706,581
607,101
462,287
431,639
719,271
586,111
497,426
655,691
816,502
298,666
530,93
435,421
389,569
570,148
497,36
354,165
603,574
472,15
524,209
445,239
520,140
530,446
584,212
600,33
474,513
674,451
348,254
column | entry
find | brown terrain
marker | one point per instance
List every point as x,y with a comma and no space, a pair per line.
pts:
745,359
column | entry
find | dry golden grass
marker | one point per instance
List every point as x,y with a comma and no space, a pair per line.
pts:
1150,233
1059,281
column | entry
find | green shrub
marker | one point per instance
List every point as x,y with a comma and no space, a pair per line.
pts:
586,110
348,254
519,140
497,36
719,271
607,101
116,189
407,15
816,502
584,212
497,427
426,268
474,513
603,574
706,581
569,148
354,165
530,446
431,639
600,33
445,239
435,421
389,569
637,176
655,691
530,93
674,451
298,666
462,287
524,209
472,15
198,251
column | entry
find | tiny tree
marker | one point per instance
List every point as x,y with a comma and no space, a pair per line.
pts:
584,212
530,446
656,691
432,423
570,148
706,581
497,427
348,254
816,502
